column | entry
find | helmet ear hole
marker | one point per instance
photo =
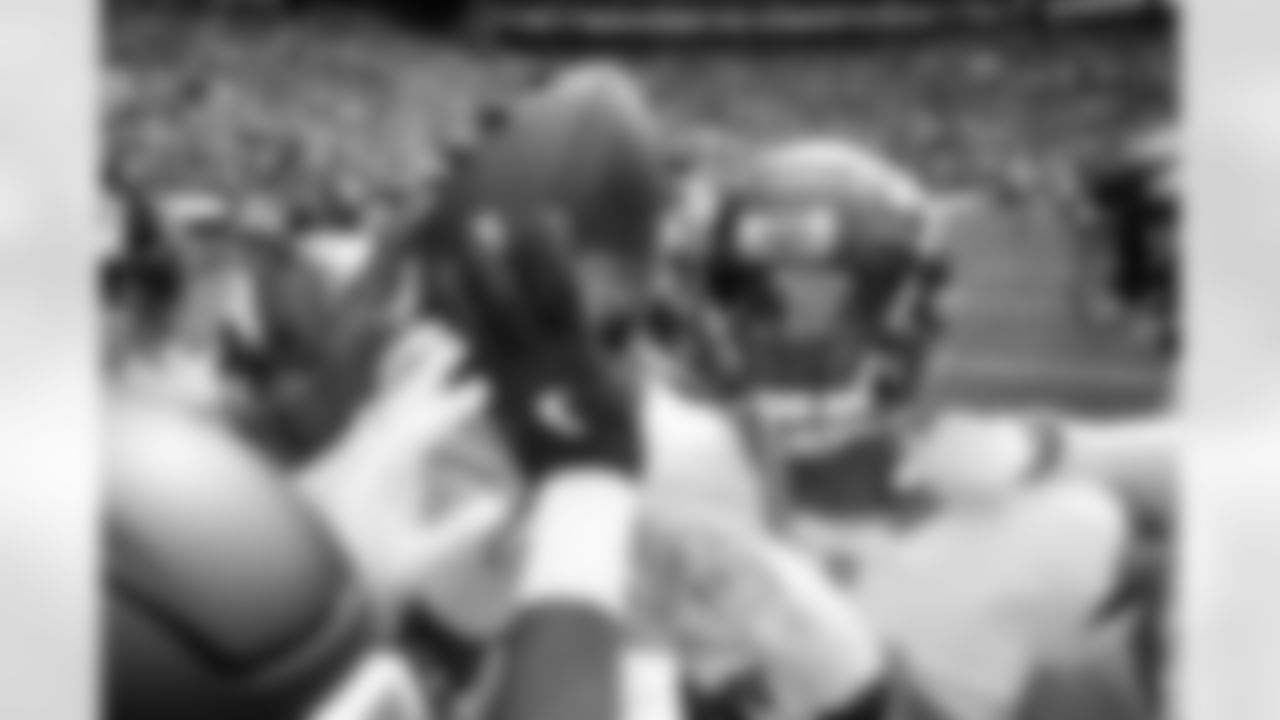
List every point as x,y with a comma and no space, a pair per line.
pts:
739,289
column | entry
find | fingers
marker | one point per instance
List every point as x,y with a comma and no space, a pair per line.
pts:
422,399
447,298
472,277
428,350
500,281
423,372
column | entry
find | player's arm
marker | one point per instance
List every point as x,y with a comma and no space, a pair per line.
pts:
1135,457
572,427
970,452
509,280
562,655
1139,447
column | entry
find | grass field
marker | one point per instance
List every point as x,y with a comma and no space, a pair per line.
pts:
293,108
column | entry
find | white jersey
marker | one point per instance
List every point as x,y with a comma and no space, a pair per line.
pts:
699,458
973,600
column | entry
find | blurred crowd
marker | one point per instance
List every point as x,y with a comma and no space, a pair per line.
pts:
619,422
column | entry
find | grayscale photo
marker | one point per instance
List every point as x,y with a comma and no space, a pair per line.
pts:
640,359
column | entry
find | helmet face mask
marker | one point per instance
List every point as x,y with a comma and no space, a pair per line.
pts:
805,274
809,265
802,234
799,277
812,300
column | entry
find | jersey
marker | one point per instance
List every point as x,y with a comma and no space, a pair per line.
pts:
1096,677
973,597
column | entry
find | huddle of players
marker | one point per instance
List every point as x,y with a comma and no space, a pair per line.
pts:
537,258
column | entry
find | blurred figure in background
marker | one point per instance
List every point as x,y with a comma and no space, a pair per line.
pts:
813,287
1129,208
1042,554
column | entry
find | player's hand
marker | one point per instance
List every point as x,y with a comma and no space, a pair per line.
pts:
559,396
972,456
373,485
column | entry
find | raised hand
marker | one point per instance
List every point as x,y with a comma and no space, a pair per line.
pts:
558,395
372,486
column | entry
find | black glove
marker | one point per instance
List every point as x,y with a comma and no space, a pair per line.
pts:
558,395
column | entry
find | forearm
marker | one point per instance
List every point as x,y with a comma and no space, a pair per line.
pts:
563,652
1142,447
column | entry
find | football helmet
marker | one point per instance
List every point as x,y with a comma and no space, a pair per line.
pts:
814,296
224,595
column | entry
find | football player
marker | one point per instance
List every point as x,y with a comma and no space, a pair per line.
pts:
575,182
819,274
578,425
812,296
225,594
230,595
1130,206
